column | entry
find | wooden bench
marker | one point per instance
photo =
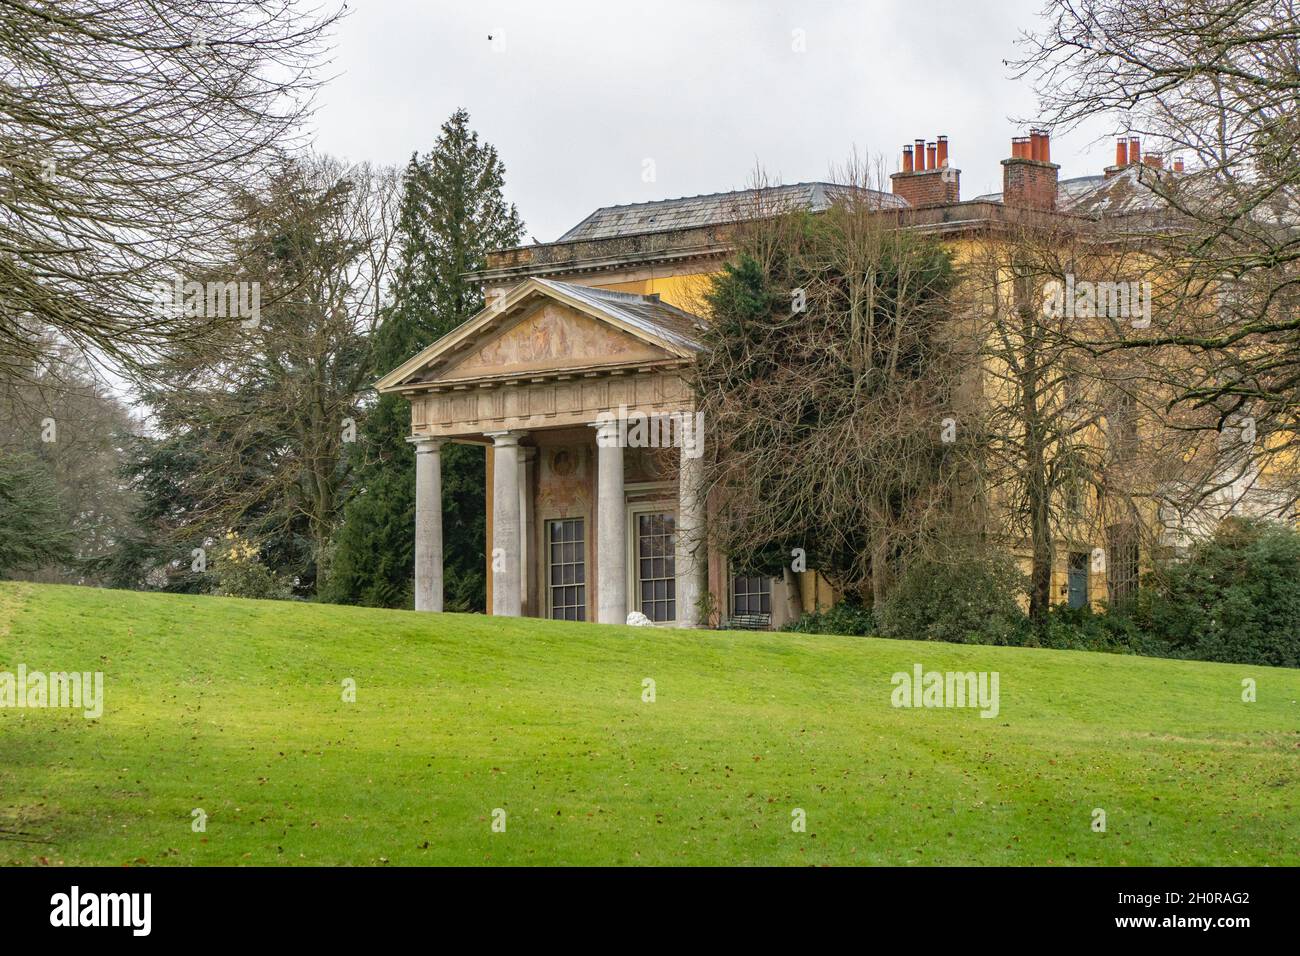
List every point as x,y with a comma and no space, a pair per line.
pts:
749,622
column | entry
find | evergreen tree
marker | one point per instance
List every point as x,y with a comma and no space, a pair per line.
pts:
34,527
452,214
255,437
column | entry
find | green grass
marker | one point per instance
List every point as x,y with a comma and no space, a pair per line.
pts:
236,707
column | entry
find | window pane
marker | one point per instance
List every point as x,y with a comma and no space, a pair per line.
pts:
657,566
568,571
751,594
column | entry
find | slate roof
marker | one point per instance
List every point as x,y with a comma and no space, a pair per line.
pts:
1121,194
1067,190
713,209
648,313
1124,193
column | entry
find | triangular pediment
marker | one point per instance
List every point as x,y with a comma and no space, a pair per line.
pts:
542,327
550,337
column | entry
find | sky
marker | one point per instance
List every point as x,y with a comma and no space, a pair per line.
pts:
593,104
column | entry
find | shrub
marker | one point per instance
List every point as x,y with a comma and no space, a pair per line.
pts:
1236,598
842,618
240,573
968,598
1082,629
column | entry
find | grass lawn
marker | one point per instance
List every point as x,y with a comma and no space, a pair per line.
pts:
236,708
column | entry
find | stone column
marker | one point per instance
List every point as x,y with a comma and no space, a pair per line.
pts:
506,527
611,527
527,457
691,549
428,523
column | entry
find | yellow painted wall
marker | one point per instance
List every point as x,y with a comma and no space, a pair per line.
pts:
683,291
686,291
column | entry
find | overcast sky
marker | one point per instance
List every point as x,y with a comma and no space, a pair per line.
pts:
578,95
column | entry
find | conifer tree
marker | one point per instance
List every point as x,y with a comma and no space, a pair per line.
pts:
453,212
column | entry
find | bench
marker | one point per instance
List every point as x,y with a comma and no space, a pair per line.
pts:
749,622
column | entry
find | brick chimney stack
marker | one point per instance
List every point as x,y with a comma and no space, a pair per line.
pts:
926,179
1128,152
1029,176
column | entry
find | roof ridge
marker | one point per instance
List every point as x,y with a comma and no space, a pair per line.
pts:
732,205
714,195
594,288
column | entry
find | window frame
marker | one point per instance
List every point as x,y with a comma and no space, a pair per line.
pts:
586,566
666,506
732,577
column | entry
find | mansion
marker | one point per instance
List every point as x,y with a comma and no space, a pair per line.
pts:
606,319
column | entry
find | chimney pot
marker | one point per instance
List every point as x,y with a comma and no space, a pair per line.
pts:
1029,177
1121,152
939,186
1134,150
1178,164
1045,146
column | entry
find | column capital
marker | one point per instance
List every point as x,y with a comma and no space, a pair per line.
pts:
505,438
607,431
426,444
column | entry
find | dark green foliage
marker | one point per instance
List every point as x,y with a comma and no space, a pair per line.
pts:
249,437
166,529
842,618
965,598
452,214
1083,629
34,528
1236,598
825,369
239,572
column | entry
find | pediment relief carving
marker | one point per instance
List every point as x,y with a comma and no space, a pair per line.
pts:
552,336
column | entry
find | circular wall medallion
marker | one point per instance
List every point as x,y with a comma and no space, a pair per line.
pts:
562,462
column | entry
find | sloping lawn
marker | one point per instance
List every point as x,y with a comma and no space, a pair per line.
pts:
237,708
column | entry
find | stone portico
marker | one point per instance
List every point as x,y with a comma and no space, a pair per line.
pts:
580,525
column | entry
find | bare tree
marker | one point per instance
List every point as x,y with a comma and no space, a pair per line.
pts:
125,125
1217,84
275,408
1073,446
827,369
71,426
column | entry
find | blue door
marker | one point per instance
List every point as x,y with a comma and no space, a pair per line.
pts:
1077,579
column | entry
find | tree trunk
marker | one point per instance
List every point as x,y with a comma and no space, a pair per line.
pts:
793,599
881,577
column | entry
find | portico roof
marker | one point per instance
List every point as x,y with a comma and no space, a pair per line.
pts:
601,328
